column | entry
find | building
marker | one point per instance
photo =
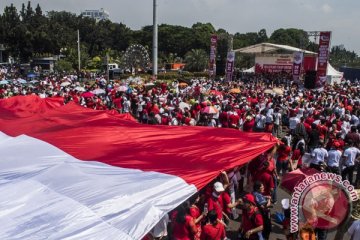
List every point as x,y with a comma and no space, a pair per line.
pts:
96,14
47,64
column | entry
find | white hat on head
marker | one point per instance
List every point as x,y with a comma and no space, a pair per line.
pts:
218,186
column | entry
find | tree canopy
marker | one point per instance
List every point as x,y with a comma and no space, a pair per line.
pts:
29,31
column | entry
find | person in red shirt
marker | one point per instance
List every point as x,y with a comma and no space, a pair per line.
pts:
196,214
267,178
252,221
183,224
234,120
224,119
165,119
323,130
215,201
283,152
296,158
213,230
249,123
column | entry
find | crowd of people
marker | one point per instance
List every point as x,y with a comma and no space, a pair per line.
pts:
318,129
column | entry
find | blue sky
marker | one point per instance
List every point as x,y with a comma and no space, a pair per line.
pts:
340,17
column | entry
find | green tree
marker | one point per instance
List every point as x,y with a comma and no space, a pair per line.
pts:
196,60
63,66
339,57
201,33
292,37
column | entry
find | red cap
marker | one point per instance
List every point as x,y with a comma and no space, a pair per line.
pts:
249,198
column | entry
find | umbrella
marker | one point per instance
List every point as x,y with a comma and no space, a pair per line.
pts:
87,94
184,105
149,84
235,90
64,84
215,92
291,179
268,91
31,75
210,110
80,89
3,82
98,91
278,91
122,88
34,81
22,81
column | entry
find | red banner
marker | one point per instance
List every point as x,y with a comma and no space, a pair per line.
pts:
212,62
323,58
275,68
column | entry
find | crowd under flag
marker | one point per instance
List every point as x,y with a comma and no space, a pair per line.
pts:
69,172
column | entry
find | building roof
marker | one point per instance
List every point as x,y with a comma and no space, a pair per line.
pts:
269,48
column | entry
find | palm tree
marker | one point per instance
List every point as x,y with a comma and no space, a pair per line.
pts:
196,60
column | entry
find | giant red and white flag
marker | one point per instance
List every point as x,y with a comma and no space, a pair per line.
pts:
68,172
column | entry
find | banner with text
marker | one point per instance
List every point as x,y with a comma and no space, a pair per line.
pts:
230,62
298,59
274,63
212,62
323,57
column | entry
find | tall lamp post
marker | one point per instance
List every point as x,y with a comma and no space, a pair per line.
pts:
78,47
155,41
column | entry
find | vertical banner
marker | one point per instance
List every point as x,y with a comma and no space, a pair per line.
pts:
323,57
298,59
230,61
212,62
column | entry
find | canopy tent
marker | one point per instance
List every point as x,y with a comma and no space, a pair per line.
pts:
269,48
250,70
332,75
72,172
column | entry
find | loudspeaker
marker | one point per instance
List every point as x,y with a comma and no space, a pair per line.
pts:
310,79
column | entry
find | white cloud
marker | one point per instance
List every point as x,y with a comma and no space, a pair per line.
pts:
326,8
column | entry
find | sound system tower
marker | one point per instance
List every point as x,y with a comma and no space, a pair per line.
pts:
310,79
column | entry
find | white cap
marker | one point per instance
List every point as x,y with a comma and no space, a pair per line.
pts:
285,203
218,186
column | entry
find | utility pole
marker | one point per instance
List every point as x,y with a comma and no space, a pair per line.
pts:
155,41
107,67
78,36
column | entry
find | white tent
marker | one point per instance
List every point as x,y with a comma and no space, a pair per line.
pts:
250,70
269,48
332,75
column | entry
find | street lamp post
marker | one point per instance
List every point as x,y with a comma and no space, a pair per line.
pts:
155,40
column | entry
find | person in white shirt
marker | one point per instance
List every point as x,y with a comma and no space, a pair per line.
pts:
126,105
354,230
333,159
260,121
277,122
293,122
350,155
318,156
354,120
